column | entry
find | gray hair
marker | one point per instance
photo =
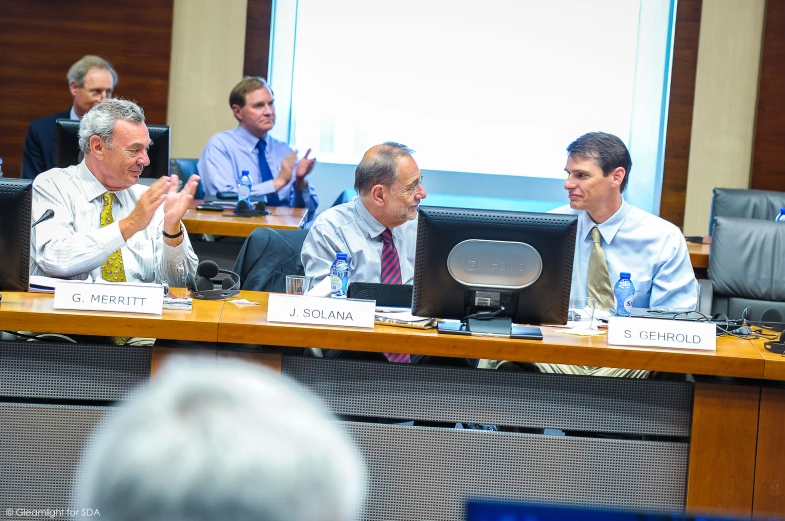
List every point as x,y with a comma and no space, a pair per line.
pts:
223,439
100,120
380,167
79,70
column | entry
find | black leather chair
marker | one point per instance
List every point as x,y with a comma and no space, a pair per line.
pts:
752,204
747,267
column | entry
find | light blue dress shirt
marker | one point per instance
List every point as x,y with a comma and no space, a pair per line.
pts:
349,228
230,152
651,249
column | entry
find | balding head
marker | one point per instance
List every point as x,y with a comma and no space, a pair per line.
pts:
379,166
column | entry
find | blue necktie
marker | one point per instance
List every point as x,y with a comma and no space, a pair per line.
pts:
267,174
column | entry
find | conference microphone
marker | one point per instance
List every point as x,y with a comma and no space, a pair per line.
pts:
47,215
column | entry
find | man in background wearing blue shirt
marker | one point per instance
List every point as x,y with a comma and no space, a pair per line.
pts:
272,165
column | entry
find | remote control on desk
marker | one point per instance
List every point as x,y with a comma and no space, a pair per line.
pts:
210,207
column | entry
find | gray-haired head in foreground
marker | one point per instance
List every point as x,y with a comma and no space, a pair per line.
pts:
100,120
79,70
379,166
225,440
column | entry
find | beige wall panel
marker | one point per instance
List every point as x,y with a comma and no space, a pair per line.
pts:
208,45
726,89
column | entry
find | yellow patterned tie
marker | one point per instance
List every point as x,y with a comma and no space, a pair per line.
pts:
598,281
113,269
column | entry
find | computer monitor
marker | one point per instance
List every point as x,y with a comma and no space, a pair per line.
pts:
68,152
16,197
491,268
483,510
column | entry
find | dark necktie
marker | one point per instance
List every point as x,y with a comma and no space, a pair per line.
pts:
391,274
391,265
267,174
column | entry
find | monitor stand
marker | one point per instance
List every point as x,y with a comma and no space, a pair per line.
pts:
502,326
496,326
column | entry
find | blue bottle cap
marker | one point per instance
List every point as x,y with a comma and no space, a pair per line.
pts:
340,256
782,210
244,172
624,275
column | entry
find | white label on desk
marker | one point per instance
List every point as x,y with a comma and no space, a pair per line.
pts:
654,332
106,296
299,309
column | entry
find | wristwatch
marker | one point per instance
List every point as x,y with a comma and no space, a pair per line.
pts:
176,235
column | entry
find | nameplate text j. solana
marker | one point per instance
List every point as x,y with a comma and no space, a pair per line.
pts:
114,297
298,309
652,332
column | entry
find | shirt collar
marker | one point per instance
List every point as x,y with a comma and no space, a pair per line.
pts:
73,115
92,187
248,140
609,228
374,227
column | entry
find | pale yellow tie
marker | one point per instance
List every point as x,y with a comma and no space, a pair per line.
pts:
113,269
597,279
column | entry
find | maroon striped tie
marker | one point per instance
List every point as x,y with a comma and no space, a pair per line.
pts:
391,274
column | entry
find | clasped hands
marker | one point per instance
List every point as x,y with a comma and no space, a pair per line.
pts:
162,192
304,167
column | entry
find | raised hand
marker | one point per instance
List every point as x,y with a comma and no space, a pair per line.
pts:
287,167
145,208
177,203
305,166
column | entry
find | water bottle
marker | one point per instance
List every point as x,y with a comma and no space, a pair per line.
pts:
781,217
625,293
1,167
244,188
339,276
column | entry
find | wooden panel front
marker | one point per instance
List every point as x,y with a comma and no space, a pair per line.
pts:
699,255
770,461
33,312
226,223
248,324
682,94
257,38
768,162
722,449
41,39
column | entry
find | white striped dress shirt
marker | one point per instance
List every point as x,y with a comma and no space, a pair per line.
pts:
72,244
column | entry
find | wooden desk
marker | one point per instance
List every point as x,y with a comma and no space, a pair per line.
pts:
699,255
33,312
245,324
228,224
734,454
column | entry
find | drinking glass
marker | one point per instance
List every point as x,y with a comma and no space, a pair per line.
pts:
297,284
581,315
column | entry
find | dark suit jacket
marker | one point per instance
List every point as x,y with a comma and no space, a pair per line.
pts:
267,257
41,145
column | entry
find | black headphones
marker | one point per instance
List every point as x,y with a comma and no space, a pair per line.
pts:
244,210
203,288
770,319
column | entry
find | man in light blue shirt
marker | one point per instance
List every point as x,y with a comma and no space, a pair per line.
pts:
390,186
272,165
651,249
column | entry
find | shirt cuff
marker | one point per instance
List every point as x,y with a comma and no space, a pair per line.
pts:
113,239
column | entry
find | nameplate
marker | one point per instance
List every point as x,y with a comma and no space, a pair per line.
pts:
119,297
300,309
652,332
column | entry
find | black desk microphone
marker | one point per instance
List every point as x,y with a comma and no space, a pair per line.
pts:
47,215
